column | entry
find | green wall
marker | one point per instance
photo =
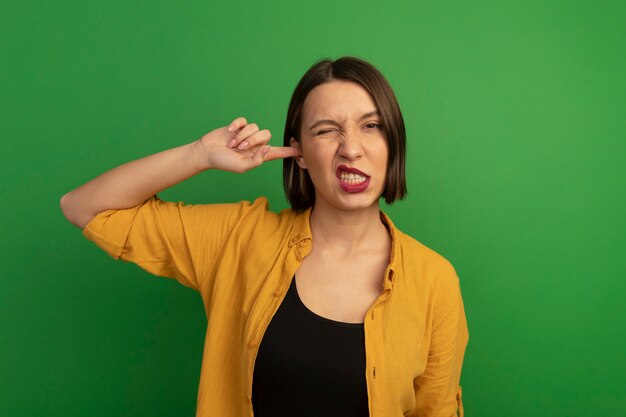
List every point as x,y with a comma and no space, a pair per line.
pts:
515,115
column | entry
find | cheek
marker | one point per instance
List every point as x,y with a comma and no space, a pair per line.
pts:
380,153
316,166
320,155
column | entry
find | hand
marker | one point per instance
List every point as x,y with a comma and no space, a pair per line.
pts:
241,146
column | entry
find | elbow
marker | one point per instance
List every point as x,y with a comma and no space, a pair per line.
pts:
65,208
73,215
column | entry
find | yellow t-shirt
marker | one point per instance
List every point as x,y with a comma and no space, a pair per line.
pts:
241,257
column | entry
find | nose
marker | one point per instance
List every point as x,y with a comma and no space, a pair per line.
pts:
350,146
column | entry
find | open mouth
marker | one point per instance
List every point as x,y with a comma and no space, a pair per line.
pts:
352,180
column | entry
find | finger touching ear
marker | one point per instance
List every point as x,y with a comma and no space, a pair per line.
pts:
299,159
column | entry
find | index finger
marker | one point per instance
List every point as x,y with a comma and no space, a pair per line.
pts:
277,152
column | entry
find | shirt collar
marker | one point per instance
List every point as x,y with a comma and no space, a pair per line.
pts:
301,231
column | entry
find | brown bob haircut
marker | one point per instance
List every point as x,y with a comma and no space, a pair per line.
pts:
297,183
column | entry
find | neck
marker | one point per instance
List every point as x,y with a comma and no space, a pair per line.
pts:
347,231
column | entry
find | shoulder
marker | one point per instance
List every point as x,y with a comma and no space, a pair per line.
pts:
244,216
259,219
431,269
413,255
417,252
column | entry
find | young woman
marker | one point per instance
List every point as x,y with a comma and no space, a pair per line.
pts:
324,309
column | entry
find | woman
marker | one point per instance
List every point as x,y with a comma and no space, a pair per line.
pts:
327,307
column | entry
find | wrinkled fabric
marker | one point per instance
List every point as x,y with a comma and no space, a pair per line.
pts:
241,257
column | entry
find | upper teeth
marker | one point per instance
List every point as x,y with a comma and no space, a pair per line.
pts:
349,176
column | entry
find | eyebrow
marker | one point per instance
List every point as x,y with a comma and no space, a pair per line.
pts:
333,122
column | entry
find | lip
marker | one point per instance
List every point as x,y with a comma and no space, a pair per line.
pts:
352,188
346,168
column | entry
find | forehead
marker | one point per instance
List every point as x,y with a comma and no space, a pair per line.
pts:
337,100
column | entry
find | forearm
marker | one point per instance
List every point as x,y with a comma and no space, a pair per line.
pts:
133,182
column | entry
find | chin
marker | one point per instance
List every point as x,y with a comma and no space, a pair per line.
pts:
352,203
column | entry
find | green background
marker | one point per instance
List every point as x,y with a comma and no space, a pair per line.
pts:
515,116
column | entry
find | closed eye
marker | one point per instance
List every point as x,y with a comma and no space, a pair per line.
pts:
321,132
373,125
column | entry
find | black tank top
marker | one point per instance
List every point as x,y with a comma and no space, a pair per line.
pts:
308,365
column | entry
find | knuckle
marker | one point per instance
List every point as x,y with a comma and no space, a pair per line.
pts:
263,136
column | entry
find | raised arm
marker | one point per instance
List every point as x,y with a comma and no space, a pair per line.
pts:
238,147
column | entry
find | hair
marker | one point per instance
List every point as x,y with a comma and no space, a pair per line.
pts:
297,183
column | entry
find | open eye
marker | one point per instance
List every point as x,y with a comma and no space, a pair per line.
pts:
376,125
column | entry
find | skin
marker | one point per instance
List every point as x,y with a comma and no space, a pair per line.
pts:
343,274
132,183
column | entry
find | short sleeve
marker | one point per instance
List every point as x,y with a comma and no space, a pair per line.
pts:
169,239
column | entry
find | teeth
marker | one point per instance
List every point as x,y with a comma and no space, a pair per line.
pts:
351,178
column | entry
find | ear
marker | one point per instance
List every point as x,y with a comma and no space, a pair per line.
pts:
299,159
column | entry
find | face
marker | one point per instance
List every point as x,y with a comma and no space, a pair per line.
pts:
343,145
